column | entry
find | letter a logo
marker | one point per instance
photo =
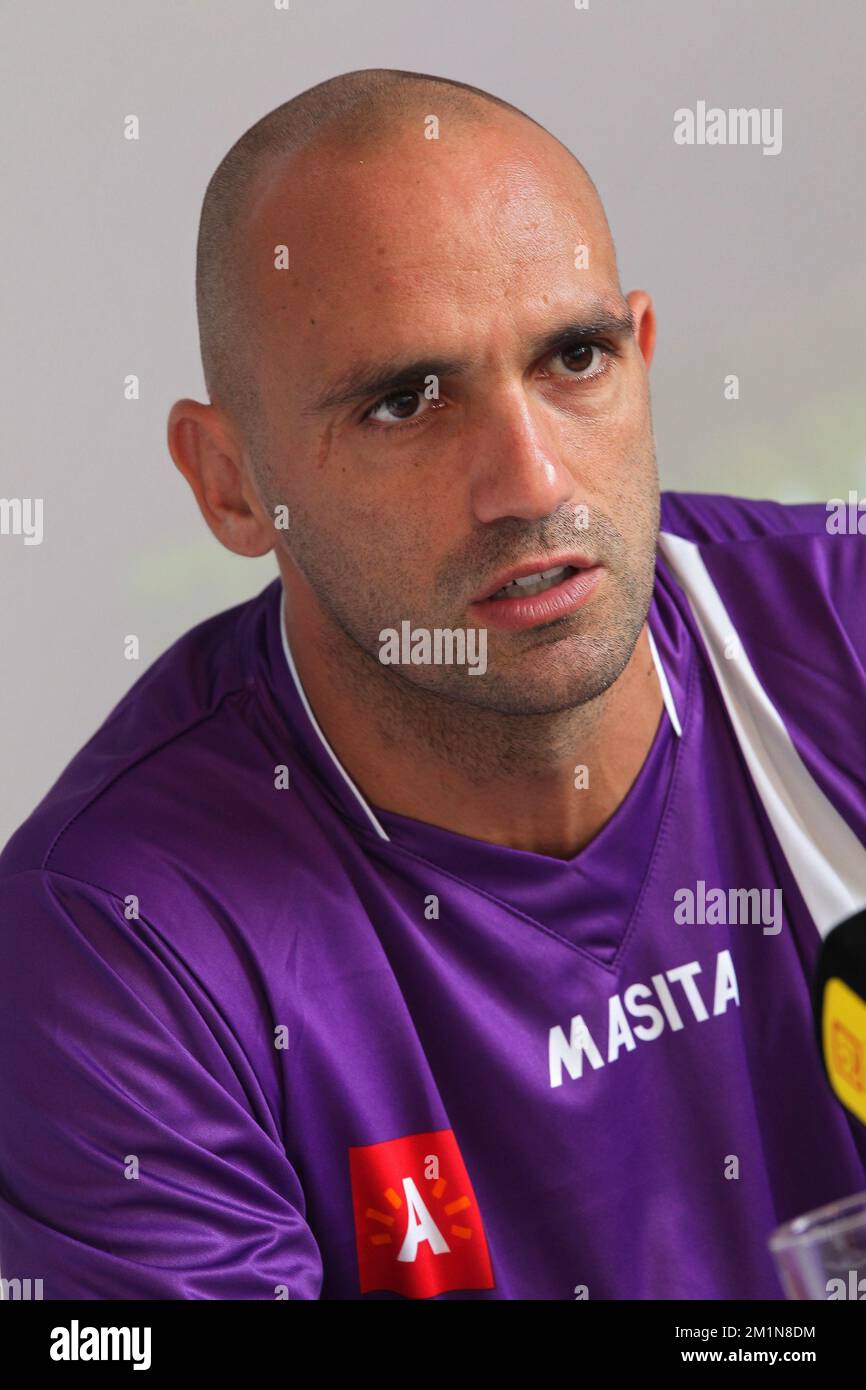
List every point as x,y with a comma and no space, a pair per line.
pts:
421,1225
417,1235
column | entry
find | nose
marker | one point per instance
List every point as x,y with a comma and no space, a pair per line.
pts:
516,467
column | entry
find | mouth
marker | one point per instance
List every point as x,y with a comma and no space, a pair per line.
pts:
531,584
535,593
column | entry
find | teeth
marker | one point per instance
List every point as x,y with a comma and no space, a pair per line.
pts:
532,584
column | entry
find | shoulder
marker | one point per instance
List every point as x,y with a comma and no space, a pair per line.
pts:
172,814
151,783
715,519
779,568
788,583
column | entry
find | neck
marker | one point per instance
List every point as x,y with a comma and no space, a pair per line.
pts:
544,783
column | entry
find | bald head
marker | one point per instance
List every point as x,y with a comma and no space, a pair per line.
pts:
360,112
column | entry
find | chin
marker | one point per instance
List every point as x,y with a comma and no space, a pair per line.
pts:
537,691
570,673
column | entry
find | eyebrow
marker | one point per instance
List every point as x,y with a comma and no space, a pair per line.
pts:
366,379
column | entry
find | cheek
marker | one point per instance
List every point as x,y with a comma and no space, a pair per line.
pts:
382,545
630,430
629,435
627,412
408,500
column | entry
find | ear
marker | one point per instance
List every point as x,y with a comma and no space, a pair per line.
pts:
208,453
641,306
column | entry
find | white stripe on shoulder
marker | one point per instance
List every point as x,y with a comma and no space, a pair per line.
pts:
312,718
667,696
823,853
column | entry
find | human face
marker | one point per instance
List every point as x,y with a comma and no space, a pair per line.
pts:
455,260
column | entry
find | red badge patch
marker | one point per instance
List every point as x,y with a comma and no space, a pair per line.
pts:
417,1224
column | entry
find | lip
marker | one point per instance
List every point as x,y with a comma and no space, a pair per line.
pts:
560,601
537,566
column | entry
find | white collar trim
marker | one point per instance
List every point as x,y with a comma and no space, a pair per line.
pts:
315,723
663,682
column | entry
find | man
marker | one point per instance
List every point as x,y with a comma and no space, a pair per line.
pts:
440,922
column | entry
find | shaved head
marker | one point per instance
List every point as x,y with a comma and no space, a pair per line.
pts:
357,111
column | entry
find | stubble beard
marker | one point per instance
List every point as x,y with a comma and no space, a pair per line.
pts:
500,724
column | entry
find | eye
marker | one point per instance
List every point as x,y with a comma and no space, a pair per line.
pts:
407,407
584,360
400,405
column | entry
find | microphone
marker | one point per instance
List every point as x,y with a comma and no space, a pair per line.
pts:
840,1011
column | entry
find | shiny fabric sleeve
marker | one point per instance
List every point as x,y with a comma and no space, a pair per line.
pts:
140,1157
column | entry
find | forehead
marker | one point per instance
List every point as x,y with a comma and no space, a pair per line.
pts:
390,238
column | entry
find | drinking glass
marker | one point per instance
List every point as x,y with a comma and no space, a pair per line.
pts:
822,1255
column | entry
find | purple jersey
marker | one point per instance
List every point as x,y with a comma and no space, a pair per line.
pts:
261,1039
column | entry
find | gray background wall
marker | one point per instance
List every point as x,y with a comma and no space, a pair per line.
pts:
755,264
